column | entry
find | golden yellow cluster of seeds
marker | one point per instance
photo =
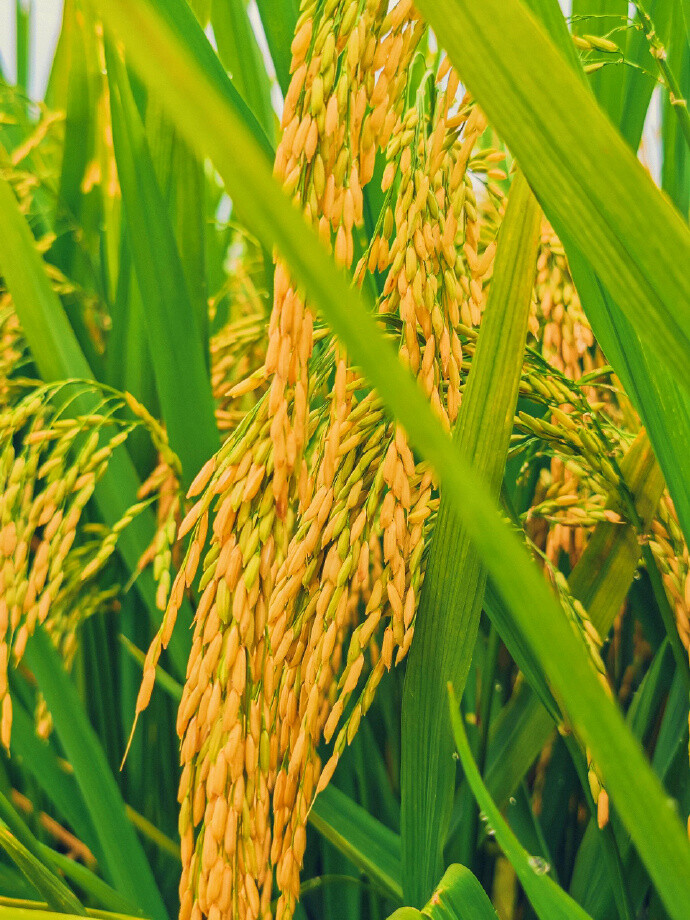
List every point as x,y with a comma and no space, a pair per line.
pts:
309,525
50,464
673,561
349,72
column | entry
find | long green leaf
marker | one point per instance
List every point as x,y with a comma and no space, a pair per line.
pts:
123,854
278,18
53,889
365,841
675,170
458,896
584,175
183,384
39,912
218,130
549,901
182,22
41,762
77,146
640,76
239,52
451,598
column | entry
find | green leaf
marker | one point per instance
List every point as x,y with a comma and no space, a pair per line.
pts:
39,760
53,889
39,912
459,896
239,52
675,170
77,145
278,18
451,597
370,845
123,855
182,22
586,178
640,78
183,384
79,874
22,26
218,130
548,900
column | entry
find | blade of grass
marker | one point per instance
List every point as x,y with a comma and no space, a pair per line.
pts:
548,900
675,169
370,845
458,896
278,18
585,177
189,182
91,884
240,54
53,889
76,147
79,874
123,855
39,911
182,22
218,130
22,24
41,762
640,78
589,884
451,597
174,338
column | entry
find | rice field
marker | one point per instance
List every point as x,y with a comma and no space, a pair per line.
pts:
344,462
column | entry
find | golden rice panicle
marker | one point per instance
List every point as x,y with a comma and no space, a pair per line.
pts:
348,77
673,560
312,609
13,350
49,468
432,217
238,350
557,319
566,341
164,484
226,712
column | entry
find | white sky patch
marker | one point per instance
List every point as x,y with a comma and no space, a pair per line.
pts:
46,16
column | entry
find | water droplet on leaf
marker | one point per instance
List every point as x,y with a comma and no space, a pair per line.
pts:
538,865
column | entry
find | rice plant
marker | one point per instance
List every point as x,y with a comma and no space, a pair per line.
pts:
344,495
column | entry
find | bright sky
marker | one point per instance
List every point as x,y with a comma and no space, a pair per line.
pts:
45,25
